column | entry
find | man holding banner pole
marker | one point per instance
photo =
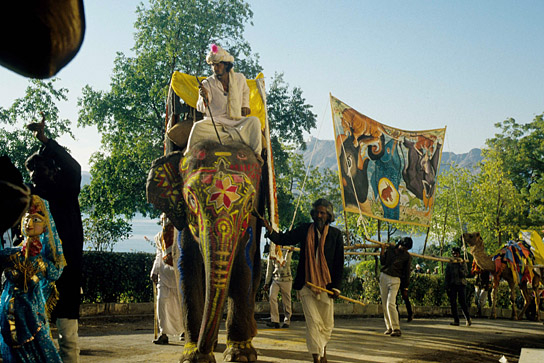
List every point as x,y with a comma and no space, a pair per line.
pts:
320,267
395,274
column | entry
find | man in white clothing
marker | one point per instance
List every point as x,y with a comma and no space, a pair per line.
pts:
279,279
168,301
225,97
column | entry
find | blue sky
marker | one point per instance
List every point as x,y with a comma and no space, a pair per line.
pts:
414,65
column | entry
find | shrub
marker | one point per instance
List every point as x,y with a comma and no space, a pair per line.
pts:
112,277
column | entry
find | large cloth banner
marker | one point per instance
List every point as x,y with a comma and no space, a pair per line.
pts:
386,173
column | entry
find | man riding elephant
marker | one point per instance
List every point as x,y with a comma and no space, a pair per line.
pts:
224,99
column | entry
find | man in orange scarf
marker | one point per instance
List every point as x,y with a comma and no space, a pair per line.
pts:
321,263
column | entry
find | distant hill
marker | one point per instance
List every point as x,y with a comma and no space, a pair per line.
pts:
325,156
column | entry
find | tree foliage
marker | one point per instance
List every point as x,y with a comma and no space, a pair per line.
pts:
170,35
40,96
520,150
173,35
289,116
486,202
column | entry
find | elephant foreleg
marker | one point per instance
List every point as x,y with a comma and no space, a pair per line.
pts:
192,283
241,324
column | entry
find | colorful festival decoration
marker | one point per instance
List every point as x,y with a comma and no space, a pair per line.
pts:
534,239
518,257
386,173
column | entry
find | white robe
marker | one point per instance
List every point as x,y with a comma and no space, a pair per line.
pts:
168,301
246,129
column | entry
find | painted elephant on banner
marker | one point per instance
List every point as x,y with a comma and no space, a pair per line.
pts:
354,168
420,171
209,195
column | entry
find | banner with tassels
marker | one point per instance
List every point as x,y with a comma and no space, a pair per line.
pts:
386,173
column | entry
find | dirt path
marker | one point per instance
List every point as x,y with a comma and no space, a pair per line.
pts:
355,340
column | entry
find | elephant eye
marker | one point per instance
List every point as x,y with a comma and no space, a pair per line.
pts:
349,162
241,155
191,202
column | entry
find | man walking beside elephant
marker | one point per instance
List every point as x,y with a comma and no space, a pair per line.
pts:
321,263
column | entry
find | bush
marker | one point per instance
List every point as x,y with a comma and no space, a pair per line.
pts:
111,277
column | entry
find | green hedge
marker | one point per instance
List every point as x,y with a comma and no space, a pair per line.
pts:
117,277
124,277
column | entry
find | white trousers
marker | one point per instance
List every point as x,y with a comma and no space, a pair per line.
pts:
319,314
68,340
389,287
480,297
248,131
285,288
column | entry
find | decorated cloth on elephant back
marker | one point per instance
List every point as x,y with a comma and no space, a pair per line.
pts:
209,195
29,293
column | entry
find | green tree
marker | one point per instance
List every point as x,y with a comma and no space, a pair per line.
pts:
170,35
453,207
299,186
15,140
520,150
498,205
289,116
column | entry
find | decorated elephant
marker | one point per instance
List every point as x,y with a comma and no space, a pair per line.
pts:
209,194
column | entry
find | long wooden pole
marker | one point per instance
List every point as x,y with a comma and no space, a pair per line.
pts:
347,229
433,258
362,245
426,238
330,292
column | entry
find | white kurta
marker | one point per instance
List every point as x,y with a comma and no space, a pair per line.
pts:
246,129
168,301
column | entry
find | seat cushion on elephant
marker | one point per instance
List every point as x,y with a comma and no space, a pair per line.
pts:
164,188
179,133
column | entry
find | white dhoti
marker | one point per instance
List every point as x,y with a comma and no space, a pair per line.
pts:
247,131
169,314
319,314
169,310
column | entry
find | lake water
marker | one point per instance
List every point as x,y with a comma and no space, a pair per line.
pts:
141,227
149,227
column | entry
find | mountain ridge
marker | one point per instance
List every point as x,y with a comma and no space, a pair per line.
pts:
325,156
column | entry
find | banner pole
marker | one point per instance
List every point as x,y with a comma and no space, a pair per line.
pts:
347,229
426,238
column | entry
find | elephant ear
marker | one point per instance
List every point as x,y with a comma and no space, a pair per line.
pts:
164,188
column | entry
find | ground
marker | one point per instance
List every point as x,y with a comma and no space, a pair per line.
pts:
354,340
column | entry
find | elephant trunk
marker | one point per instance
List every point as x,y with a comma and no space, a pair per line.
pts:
218,248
